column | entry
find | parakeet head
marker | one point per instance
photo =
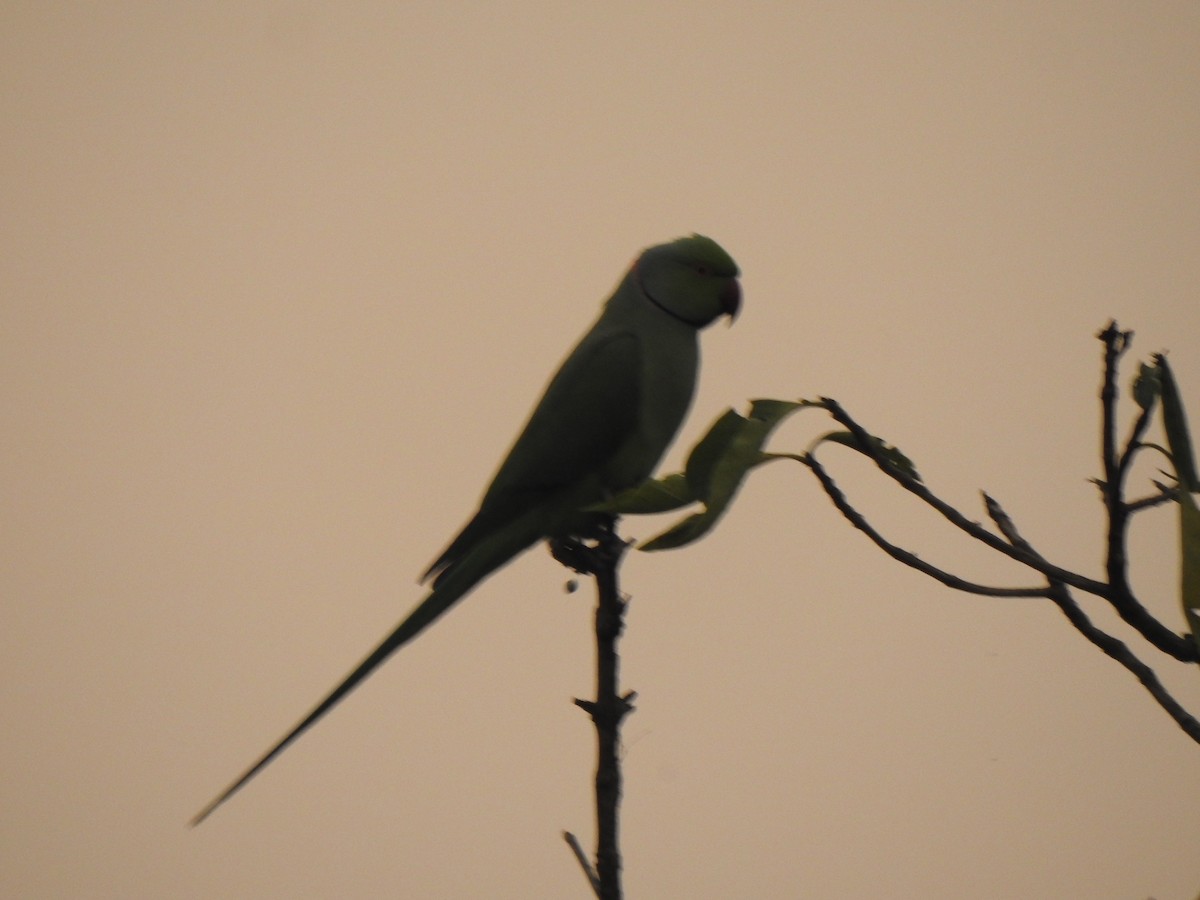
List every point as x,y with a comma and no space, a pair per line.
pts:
692,279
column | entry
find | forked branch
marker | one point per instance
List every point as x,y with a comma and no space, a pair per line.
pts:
1007,540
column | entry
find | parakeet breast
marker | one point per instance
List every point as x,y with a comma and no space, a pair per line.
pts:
669,361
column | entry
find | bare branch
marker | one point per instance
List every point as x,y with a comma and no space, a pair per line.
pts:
1134,444
1111,646
1112,489
899,554
952,515
1116,342
1165,495
1003,522
1116,590
1117,650
600,557
1118,593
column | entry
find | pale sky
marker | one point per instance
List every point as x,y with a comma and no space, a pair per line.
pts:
282,280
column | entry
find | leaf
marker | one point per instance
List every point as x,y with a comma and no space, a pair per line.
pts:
682,532
772,412
706,454
1146,386
654,495
719,464
1175,423
1189,561
1180,442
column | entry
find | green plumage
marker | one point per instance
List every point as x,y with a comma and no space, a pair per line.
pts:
604,422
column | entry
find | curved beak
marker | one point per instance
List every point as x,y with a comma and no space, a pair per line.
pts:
731,299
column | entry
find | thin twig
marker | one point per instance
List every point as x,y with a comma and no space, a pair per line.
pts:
952,515
1119,595
1115,343
1116,591
899,553
584,863
1165,495
1134,445
1116,649
1111,646
1004,523
1116,467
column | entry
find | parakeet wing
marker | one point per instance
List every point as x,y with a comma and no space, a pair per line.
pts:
589,409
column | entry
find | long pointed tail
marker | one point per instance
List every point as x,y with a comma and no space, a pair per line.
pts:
455,583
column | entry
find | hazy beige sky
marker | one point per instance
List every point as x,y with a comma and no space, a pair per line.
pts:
281,281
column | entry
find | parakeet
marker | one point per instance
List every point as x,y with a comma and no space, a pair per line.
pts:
603,423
